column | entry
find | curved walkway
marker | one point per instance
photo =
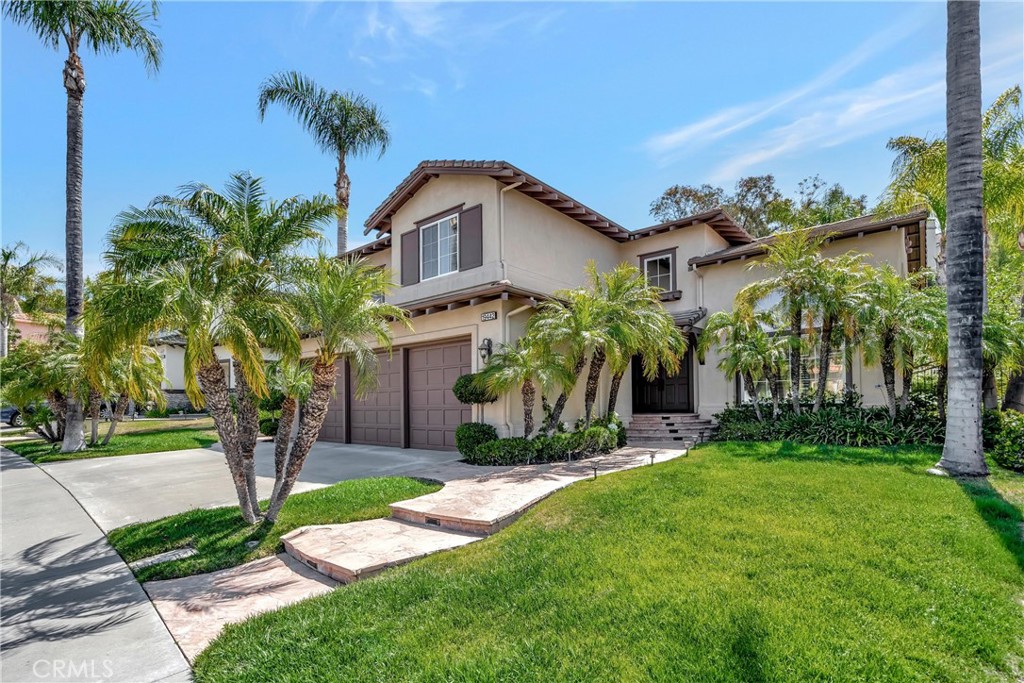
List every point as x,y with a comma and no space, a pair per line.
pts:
72,610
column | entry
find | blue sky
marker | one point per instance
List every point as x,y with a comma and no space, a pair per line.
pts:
610,103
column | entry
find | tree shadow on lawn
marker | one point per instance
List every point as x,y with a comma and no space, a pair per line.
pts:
1002,516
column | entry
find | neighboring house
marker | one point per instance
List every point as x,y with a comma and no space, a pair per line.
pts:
171,348
474,245
29,329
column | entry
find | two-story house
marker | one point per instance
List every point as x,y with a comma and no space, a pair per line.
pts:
474,245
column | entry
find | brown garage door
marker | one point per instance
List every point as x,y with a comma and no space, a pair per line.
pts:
333,428
434,412
377,418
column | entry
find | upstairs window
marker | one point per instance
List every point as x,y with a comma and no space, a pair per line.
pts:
658,270
439,247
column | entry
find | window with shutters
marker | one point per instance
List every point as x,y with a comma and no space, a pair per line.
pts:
439,247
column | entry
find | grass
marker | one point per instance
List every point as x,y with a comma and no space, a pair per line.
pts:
220,535
741,562
131,438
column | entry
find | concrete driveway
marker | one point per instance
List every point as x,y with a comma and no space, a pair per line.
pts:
136,488
72,611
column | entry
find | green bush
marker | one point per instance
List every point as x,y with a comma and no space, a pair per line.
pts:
833,425
469,436
1008,447
467,390
272,403
513,451
552,448
268,426
591,441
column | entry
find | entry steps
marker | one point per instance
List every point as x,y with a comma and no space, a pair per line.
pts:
681,430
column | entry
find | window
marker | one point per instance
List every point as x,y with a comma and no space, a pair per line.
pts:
439,247
658,270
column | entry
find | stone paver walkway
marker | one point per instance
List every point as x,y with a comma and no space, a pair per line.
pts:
474,502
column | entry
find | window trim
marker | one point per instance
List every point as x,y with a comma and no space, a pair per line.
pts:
431,224
661,253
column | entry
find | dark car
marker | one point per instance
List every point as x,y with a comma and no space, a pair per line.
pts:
11,416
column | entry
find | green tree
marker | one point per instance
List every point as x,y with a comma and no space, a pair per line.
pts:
741,337
100,26
341,124
25,287
210,266
340,303
817,203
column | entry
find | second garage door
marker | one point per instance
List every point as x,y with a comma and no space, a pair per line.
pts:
434,412
377,418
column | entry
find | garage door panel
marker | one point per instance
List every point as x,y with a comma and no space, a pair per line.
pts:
377,417
333,428
434,412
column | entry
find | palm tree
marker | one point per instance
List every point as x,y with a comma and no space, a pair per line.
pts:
794,260
209,266
745,346
101,26
525,365
340,303
837,299
294,381
341,124
963,451
22,285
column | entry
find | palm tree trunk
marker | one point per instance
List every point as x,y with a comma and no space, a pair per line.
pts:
795,332
848,356
824,361
963,450
989,392
248,422
116,416
556,411
282,441
74,83
613,391
529,396
940,390
343,191
218,403
775,387
313,414
94,416
889,372
907,379
752,391
593,378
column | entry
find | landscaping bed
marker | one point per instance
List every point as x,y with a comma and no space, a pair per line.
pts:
739,562
222,538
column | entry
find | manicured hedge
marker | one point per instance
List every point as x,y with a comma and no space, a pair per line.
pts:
268,426
467,390
541,449
469,436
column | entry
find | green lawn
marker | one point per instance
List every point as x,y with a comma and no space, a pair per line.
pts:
220,535
131,438
741,562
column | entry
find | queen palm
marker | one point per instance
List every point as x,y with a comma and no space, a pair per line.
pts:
340,303
794,261
963,451
837,300
208,265
341,124
526,366
100,26
22,284
745,346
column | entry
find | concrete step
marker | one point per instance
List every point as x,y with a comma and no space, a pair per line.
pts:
682,417
691,428
349,552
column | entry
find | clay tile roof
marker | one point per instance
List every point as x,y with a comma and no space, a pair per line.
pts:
852,227
503,172
717,219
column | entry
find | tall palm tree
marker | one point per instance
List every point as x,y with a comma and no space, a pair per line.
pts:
963,451
209,265
342,124
100,26
340,303
837,300
22,284
794,261
526,365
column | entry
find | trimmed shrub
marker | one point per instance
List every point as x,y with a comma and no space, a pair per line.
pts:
268,426
1008,450
513,451
592,441
552,448
468,391
272,403
469,436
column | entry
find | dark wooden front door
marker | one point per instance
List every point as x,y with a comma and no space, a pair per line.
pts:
666,393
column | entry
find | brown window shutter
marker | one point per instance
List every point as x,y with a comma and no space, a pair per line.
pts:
411,257
471,238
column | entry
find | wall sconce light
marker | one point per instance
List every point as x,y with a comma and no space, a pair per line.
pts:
485,348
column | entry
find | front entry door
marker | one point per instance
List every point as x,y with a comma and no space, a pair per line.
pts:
666,393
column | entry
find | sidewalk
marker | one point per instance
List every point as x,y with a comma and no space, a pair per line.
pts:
72,611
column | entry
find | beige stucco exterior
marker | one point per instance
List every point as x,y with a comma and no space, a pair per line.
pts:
536,250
